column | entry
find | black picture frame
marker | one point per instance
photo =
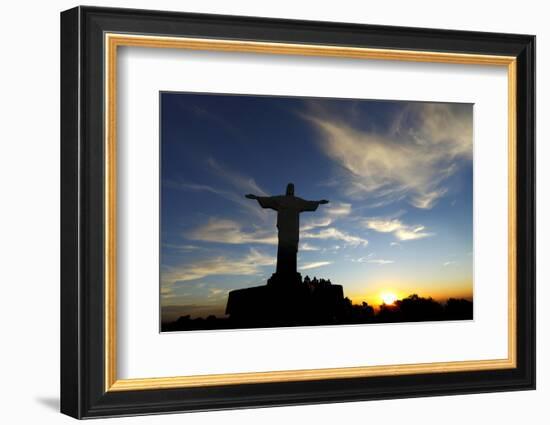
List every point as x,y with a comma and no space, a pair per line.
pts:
83,392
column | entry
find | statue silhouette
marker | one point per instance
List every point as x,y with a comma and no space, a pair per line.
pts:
288,209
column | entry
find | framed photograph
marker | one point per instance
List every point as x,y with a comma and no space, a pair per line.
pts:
261,212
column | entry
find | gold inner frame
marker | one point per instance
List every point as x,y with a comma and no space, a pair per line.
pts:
113,41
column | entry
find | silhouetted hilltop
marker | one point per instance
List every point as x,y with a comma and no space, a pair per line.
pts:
317,302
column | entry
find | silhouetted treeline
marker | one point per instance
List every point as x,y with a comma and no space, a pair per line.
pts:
419,309
410,309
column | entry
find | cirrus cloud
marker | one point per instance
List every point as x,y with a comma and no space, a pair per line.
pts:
401,231
334,233
411,159
230,232
248,264
314,265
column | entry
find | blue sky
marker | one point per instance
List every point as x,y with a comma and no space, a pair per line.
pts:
398,176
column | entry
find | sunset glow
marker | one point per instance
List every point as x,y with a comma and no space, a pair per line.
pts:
388,297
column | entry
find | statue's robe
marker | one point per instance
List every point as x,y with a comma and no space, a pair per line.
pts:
288,209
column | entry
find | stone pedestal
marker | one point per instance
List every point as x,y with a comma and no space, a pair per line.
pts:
285,301
282,280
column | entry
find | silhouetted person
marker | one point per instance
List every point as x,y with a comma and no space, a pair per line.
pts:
288,209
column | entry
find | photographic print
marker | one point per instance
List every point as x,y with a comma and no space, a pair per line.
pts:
298,211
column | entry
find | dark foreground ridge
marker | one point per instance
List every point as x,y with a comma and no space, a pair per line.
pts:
317,302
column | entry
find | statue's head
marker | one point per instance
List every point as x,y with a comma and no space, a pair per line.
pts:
290,189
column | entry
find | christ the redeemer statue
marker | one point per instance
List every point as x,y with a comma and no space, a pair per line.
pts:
288,209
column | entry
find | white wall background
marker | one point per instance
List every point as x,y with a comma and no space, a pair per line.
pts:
29,213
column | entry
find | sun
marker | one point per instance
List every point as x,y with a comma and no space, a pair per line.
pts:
388,298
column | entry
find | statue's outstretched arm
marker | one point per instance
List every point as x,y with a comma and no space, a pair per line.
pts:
265,201
312,205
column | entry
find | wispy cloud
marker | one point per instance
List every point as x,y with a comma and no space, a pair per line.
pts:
248,264
370,258
182,247
448,263
330,213
427,200
380,261
217,292
194,297
401,231
337,209
233,187
304,246
315,223
230,195
334,233
314,265
231,232
411,159
167,292
240,182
